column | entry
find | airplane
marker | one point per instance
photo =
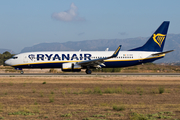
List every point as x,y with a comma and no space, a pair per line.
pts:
74,61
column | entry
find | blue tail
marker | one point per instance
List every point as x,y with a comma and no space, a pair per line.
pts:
156,41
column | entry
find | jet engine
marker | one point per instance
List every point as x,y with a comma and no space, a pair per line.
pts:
71,67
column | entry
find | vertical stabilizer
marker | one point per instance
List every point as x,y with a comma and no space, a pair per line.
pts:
156,41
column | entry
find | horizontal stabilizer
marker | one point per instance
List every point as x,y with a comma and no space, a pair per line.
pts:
163,52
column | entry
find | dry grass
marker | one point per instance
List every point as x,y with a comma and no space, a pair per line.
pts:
89,97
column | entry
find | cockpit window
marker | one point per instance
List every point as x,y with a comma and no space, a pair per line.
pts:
14,57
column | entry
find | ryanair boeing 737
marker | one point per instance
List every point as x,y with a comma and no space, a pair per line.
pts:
74,61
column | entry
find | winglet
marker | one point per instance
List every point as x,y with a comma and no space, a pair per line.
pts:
116,52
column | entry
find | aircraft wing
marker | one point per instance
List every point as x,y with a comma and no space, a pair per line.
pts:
162,53
99,61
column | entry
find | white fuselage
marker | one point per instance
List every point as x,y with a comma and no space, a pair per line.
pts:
56,58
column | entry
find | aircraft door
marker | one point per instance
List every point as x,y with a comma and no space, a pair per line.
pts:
25,59
140,57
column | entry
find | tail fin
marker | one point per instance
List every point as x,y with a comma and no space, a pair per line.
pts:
156,41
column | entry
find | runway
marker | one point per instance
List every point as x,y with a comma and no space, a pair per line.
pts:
93,74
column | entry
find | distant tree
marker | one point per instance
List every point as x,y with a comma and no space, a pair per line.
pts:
3,57
149,63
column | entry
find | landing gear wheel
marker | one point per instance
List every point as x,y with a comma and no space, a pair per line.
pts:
88,71
22,72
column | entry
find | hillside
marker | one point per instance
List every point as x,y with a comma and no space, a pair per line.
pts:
172,43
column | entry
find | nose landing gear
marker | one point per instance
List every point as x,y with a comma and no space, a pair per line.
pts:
22,72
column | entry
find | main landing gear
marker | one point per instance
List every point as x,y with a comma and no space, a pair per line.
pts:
88,71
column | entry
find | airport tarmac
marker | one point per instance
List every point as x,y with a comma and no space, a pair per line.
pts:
93,74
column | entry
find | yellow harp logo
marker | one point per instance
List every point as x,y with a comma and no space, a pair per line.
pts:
159,38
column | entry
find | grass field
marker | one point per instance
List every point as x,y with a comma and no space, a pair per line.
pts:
90,98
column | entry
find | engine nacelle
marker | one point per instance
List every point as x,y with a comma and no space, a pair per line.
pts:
71,67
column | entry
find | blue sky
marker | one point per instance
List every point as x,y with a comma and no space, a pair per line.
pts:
25,23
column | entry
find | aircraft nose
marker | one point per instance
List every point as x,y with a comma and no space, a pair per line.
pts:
8,62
